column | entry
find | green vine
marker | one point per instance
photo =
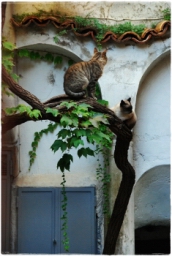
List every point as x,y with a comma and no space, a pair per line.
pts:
8,62
37,137
78,122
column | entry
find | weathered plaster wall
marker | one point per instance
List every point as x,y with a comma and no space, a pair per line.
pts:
114,11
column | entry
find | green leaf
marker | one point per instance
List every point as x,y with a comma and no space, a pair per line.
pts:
9,46
85,123
80,132
103,102
58,60
15,77
59,144
23,53
71,62
84,106
94,138
49,57
53,111
68,105
52,127
66,120
35,113
85,152
64,162
64,133
97,119
76,142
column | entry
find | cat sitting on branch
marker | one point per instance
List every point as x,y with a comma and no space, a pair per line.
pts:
80,79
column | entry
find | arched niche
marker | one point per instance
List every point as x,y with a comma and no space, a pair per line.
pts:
152,211
152,197
66,54
152,132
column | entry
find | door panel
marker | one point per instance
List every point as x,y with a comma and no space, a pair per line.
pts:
81,221
36,221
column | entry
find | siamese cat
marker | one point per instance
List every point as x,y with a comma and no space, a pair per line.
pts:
124,111
83,76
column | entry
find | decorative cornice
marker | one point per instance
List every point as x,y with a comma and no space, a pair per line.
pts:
162,29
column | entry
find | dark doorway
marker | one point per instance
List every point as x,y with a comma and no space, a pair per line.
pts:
152,240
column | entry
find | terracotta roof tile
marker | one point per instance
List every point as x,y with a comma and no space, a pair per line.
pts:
161,29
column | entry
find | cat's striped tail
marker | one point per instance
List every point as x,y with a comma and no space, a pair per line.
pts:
75,95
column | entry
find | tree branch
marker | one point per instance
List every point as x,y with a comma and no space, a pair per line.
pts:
25,95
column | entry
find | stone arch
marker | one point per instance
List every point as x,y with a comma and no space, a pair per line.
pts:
152,197
152,211
152,64
151,139
56,49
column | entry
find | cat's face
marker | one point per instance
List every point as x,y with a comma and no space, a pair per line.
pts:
100,56
126,106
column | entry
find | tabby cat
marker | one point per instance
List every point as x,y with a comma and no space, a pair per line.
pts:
124,110
83,76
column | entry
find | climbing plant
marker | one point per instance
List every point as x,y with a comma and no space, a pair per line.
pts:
77,123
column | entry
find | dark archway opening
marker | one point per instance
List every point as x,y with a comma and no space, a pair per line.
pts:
152,240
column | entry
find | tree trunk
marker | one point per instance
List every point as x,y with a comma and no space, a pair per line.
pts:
124,193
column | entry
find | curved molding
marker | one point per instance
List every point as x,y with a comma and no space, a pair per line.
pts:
151,65
157,167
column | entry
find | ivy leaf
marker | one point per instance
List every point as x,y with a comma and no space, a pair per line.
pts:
9,46
75,121
85,152
64,133
64,162
103,102
94,138
103,135
15,76
59,144
76,142
68,105
80,132
49,57
52,127
58,60
70,62
85,123
53,111
84,106
99,118
23,53
35,113
66,120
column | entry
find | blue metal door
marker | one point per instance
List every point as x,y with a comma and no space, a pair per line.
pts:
39,220
36,220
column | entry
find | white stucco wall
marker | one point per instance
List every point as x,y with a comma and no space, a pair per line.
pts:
152,132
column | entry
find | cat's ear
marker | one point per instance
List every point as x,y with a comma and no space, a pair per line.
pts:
95,50
104,52
122,103
129,99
